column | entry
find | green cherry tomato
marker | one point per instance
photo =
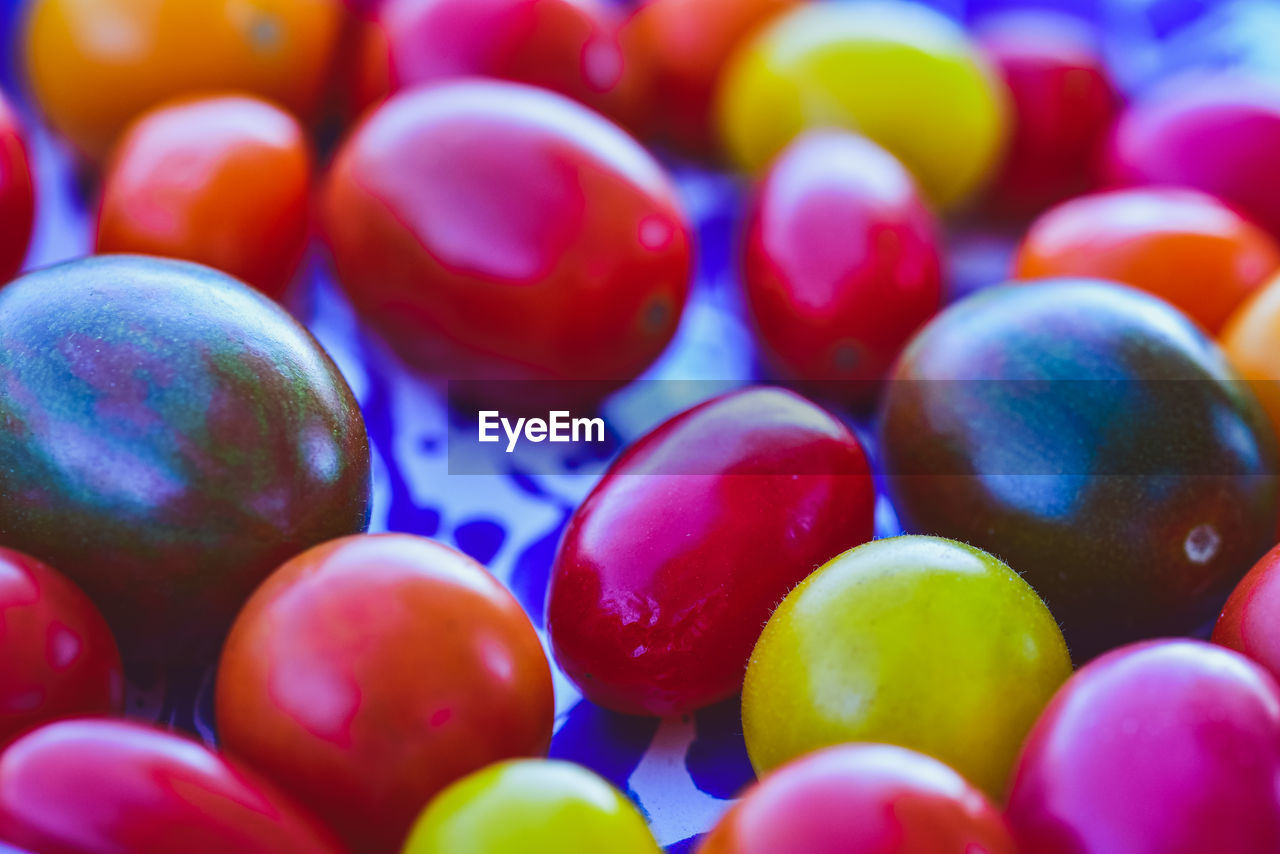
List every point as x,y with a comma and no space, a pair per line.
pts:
916,641
531,806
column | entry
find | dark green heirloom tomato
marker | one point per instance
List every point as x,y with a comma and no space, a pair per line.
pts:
168,436
1092,437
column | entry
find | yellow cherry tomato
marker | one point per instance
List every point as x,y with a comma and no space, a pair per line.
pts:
96,64
899,73
1249,339
921,642
531,806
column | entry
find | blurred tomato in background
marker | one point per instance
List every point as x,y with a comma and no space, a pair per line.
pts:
17,194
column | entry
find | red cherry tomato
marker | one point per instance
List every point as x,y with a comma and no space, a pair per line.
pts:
670,568
17,196
680,46
1155,748
1181,245
568,46
1250,622
1219,134
104,787
498,231
1064,102
57,656
842,262
223,181
370,672
864,798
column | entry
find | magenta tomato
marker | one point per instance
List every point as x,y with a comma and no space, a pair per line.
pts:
841,262
670,568
1218,133
1064,102
1165,747
17,196
864,798
92,786
57,656
370,672
1250,622
497,231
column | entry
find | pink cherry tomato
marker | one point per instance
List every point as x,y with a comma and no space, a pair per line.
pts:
1165,747
1064,102
841,263
670,568
1250,622
57,656
864,798
17,196
91,786
1219,134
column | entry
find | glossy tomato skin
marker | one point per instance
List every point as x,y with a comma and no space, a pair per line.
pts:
531,806
1181,245
841,262
846,657
171,436
1063,105
279,49
370,672
1249,338
97,786
680,47
496,231
17,194
1061,426
869,798
567,46
1217,134
1248,624
223,181
57,656
1166,747
671,566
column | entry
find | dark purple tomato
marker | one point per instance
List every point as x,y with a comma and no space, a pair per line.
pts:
841,263
1217,133
96,786
170,436
1064,103
57,656
1166,747
1092,437
670,568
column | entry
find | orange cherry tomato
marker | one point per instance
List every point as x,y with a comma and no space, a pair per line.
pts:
1249,339
1181,245
370,672
94,66
17,196
682,45
224,181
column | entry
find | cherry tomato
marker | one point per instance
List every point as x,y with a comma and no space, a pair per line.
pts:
1064,103
1249,338
497,231
532,807
921,642
224,181
670,567
1181,245
841,263
1156,748
17,196
102,787
1065,427
370,672
868,798
899,73
57,656
681,47
171,436
1249,623
1218,134
568,46
95,67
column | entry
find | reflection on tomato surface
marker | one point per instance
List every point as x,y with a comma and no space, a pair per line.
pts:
370,672
17,195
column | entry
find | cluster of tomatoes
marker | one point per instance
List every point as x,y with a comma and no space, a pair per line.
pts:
1088,453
